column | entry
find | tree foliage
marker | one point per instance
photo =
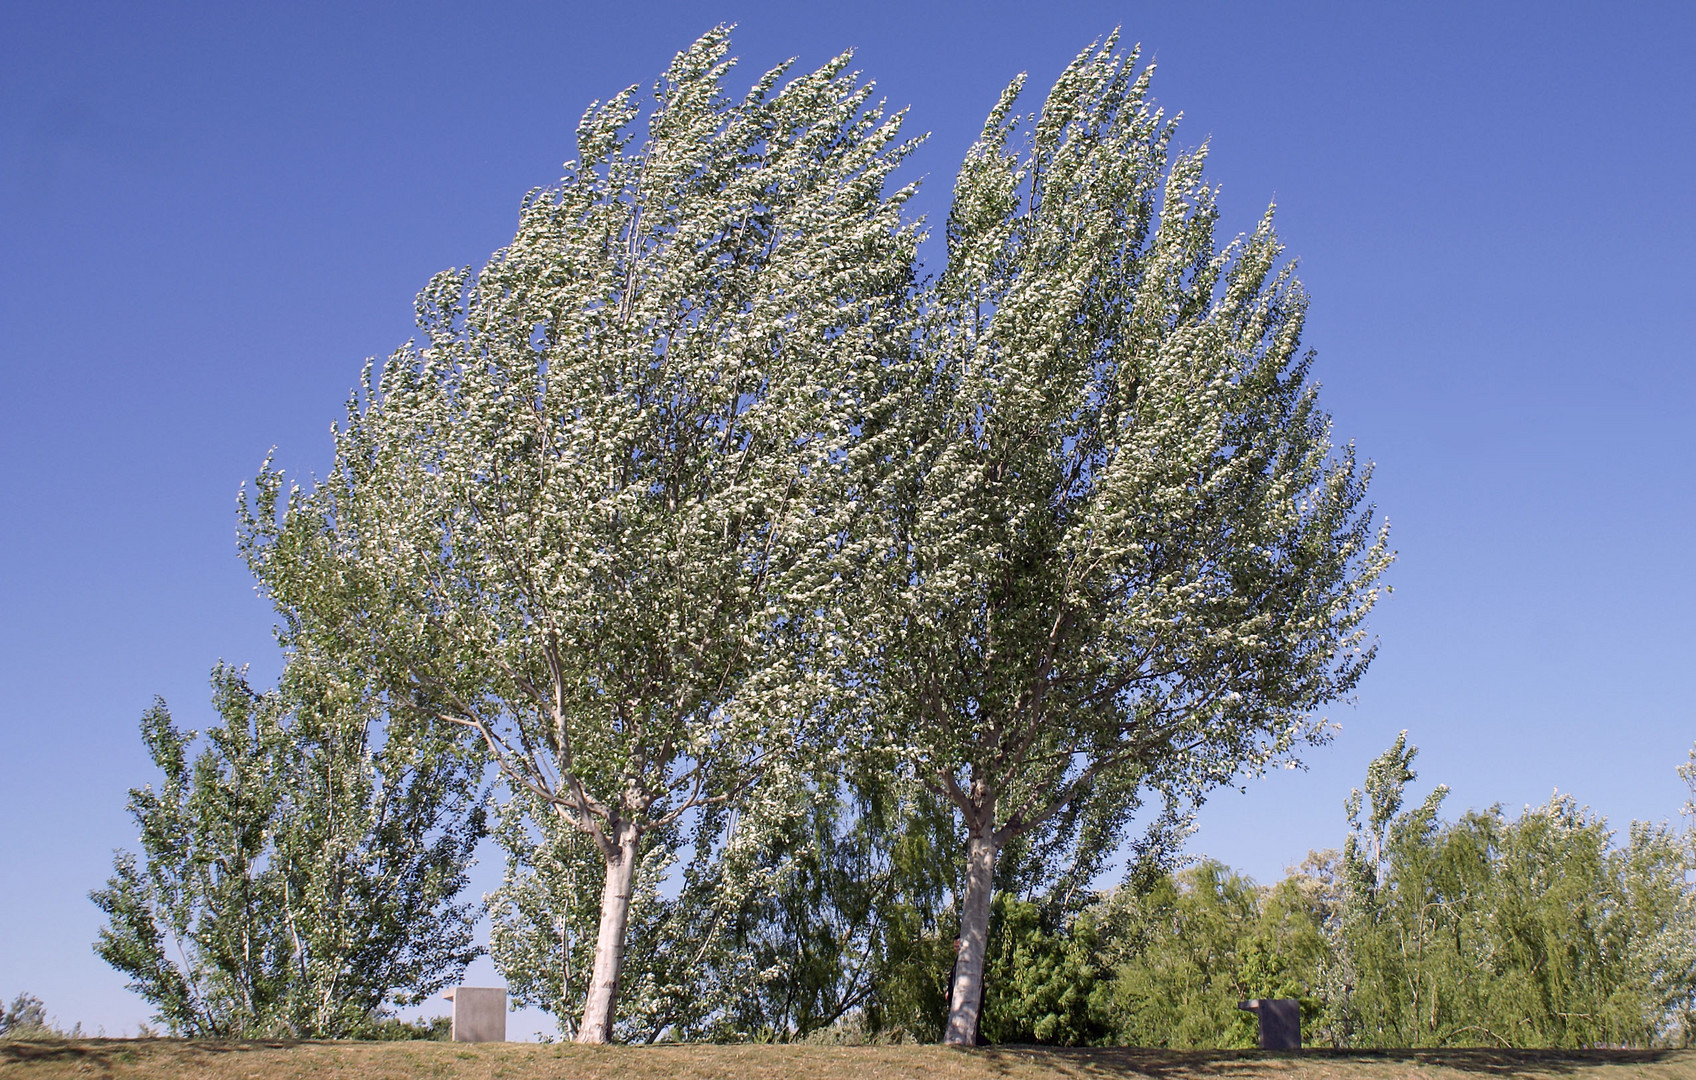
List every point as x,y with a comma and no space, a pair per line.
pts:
856,891
26,1018
1044,978
591,517
1187,950
1533,931
299,874
1124,557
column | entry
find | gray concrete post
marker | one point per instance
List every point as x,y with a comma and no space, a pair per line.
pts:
479,1013
1280,1022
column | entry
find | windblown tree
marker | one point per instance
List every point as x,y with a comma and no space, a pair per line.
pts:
1124,557
299,872
593,517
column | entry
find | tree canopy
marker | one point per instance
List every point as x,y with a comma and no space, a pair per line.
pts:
1124,557
591,517
300,874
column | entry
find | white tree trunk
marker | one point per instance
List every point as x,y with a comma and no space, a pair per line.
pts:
609,945
966,996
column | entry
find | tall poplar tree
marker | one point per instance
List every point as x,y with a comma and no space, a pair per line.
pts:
1124,556
592,517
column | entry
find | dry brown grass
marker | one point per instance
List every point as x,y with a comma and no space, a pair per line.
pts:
174,1059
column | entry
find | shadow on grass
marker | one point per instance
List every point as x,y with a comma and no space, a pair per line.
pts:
1108,1063
172,1057
93,1054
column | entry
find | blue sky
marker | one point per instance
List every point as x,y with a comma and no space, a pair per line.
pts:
210,215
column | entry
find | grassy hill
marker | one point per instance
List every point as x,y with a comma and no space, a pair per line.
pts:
173,1059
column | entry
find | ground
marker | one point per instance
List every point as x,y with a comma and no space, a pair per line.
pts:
174,1059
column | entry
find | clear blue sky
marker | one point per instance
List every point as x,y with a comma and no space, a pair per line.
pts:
210,215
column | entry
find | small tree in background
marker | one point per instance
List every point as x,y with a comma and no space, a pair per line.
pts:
26,1018
1531,931
853,931
594,517
1534,931
1123,556
1187,949
299,874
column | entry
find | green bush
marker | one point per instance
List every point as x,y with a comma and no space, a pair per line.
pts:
26,1018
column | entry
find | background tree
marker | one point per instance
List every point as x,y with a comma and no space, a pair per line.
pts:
593,518
26,1018
1535,931
1538,930
838,918
1044,980
1184,952
1678,946
299,874
856,928
1124,557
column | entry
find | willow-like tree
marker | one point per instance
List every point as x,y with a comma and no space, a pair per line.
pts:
1124,555
592,517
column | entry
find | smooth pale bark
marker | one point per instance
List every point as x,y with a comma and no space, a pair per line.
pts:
966,996
609,945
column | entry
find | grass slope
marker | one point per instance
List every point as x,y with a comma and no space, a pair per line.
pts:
175,1059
